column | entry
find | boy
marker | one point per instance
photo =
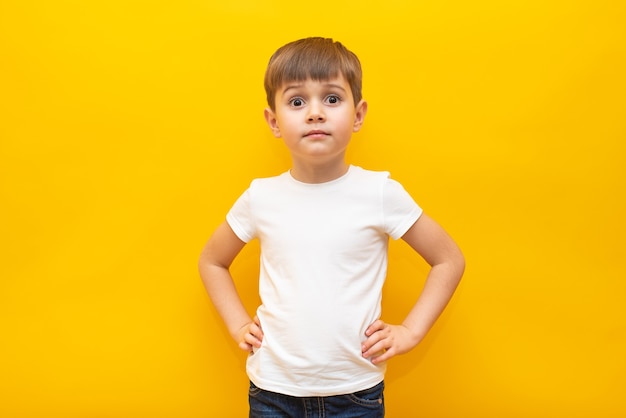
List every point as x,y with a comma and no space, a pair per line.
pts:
317,344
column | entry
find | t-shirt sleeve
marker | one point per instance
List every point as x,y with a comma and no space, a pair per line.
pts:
240,218
399,209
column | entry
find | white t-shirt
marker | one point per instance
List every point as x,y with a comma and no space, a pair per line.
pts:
322,268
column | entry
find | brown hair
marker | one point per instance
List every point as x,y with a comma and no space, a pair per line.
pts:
312,58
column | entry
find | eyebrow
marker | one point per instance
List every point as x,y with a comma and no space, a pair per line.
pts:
299,85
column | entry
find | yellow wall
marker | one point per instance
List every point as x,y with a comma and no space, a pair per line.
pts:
128,128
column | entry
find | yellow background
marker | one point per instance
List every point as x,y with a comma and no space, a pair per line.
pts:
128,128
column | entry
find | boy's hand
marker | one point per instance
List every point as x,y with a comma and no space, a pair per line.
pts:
250,335
385,341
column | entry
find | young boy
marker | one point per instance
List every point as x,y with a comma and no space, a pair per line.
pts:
317,345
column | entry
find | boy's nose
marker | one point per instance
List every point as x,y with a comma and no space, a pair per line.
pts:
315,114
316,117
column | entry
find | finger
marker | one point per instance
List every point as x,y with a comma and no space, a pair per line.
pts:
369,345
257,328
245,346
256,331
382,356
374,349
380,333
376,326
253,335
252,339
375,341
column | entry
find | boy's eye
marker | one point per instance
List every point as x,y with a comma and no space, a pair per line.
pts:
333,99
296,102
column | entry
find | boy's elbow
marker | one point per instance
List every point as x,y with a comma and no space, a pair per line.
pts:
459,264
209,262
204,262
202,266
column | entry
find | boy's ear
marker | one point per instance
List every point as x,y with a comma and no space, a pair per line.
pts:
359,115
270,118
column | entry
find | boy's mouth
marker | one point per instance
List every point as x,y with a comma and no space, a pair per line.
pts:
316,133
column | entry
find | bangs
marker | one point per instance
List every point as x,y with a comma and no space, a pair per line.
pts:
316,65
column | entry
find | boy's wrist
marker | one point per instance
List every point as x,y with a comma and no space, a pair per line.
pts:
415,334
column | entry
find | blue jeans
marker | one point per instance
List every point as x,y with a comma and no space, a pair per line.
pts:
369,403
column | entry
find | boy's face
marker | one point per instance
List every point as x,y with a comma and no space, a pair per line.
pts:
316,119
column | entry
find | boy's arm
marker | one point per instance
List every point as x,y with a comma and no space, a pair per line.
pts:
214,263
447,263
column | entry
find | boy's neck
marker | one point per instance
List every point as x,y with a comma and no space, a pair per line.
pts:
322,173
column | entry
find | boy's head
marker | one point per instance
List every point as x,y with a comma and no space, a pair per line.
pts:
317,59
